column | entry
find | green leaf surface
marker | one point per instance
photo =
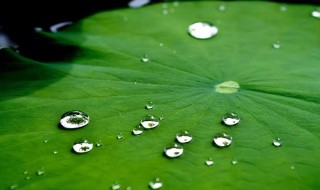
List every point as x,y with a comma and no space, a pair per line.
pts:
278,98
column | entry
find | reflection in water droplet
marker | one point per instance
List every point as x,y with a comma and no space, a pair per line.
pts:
202,30
277,142
231,118
149,105
209,162
138,130
234,161
227,87
82,146
55,152
184,136
149,122
222,140
99,143
138,3
155,183
222,8
119,136
173,151
14,186
276,45
283,8
315,14
145,58
58,27
41,171
115,186
74,119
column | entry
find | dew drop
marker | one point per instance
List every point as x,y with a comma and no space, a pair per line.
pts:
128,188
149,121
283,8
222,8
14,186
227,87
173,151
27,178
82,146
119,136
292,167
315,14
161,44
150,105
145,58
161,118
45,141
222,140
55,152
25,172
209,162
165,11
234,161
184,136
277,142
59,26
74,119
138,3
99,143
138,130
276,45
115,186
202,30
41,171
231,118
155,183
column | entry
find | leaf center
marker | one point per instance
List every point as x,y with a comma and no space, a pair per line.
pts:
227,87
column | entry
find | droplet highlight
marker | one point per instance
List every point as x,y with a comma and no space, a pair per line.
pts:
138,130
173,151
74,120
231,118
82,146
155,183
277,142
202,30
209,162
149,121
150,105
222,140
184,136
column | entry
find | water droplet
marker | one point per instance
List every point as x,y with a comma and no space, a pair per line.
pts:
138,3
222,140
165,11
174,150
202,30
184,136
149,122
74,120
55,152
161,118
292,167
165,5
315,14
58,27
231,118
161,44
27,178
227,87
283,8
155,183
25,172
45,141
41,171
119,136
14,186
145,58
276,45
115,186
149,105
82,146
277,142
234,162
209,162
176,3
222,8
138,130
128,188
99,143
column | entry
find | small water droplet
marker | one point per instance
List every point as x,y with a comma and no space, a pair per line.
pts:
277,142
14,186
161,44
150,105
128,188
222,8
41,171
176,3
276,45
165,11
231,118
283,8
55,152
27,178
138,3
45,141
292,167
184,136
155,183
99,143
234,161
82,146
315,14
145,58
174,150
149,122
202,30
119,136
161,118
58,27
25,172
209,162
165,5
116,185
74,119
222,140
138,130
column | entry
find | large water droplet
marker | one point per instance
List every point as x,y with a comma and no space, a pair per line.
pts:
202,30
138,130
277,142
315,14
222,140
231,118
149,122
276,45
209,162
138,3
116,186
155,183
150,105
58,27
74,120
14,186
145,58
227,87
184,136
173,151
41,171
82,146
